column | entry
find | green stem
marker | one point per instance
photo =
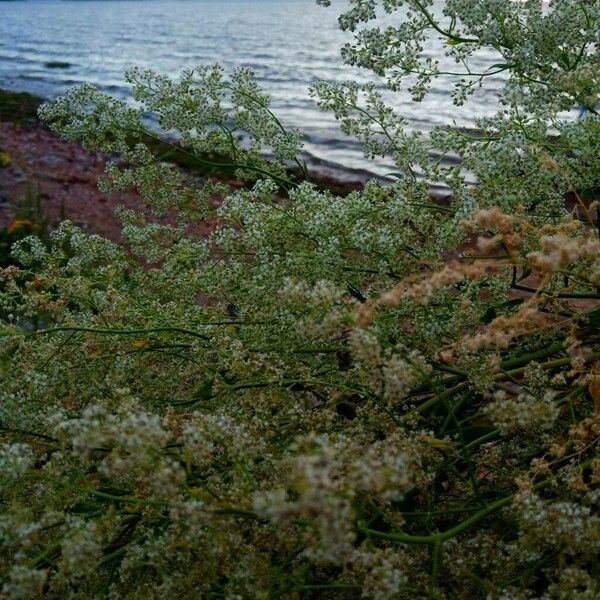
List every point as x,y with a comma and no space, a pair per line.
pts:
278,383
444,536
40,559
533,356
551,364
445,33
531,290
486,437
41,436
116,554
436,563
281,180
326,586
123,331
463,526
124,499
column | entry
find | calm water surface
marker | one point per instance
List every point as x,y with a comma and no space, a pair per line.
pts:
289,44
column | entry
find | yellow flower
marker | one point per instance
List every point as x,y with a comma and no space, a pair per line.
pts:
5,160
20,224
139,344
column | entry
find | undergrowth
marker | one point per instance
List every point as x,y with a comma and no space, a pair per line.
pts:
371,396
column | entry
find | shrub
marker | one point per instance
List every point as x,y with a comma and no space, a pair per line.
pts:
28,219
370,396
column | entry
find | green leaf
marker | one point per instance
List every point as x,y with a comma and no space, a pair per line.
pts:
594,317
492,312
204,391
356,293
396,174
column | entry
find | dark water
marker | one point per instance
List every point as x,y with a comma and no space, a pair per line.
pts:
46,46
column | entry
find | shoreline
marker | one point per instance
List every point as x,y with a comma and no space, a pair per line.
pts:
60,177
42,173
20,106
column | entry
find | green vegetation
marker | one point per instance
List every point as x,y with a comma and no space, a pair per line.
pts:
18,107
328,397
28,220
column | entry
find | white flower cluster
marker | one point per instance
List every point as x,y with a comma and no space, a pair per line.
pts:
15,460
384,573
24,583
210,115
334,395
391,372
540,77
524,412
561,525
81,551
325,483
131,443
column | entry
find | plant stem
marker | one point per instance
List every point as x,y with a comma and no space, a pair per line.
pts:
453,531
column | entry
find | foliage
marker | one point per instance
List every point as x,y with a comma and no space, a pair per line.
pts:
28,219
18,107
371,396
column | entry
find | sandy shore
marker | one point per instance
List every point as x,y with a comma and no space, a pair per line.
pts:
63,175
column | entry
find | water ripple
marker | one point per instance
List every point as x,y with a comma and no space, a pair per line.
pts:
290,44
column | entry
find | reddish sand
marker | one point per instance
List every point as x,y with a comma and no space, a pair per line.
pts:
64,175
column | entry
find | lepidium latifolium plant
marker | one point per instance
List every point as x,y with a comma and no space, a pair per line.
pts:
375,395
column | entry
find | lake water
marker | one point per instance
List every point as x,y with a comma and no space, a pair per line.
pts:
288,43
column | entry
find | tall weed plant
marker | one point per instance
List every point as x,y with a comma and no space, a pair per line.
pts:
370,396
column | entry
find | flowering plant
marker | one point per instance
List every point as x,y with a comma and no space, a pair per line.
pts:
375,395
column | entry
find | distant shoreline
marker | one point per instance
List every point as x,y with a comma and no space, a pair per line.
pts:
60,177
16,105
